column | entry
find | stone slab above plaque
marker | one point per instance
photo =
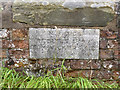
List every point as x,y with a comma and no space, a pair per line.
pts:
64,43
64,12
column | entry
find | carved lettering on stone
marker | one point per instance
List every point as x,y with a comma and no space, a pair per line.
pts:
64,43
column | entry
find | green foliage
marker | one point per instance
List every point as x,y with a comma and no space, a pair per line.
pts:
12,79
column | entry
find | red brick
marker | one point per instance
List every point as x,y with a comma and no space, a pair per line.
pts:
6,44
46,62
96,64
3,53
116,75
20,34
106,54
116,52
119,44
117,57
103,74
112,37
15,64
112,44
80,64
119,65
18,54
22,44
32,61
112,25
85,64
81,73
67,63
103,34
103,43
108,34
112,64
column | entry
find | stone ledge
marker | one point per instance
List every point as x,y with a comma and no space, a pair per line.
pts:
63,13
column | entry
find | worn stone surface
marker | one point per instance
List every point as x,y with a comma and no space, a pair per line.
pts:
64,43
63,13
7,15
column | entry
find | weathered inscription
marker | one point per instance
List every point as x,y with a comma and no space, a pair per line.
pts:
64,43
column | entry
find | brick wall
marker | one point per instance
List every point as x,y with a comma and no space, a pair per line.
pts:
15,51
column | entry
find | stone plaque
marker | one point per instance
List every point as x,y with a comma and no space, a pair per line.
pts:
64,43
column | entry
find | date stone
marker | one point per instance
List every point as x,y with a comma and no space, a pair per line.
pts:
64,43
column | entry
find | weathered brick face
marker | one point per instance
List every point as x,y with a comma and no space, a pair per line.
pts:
85,64
15,51
19,34
15,47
